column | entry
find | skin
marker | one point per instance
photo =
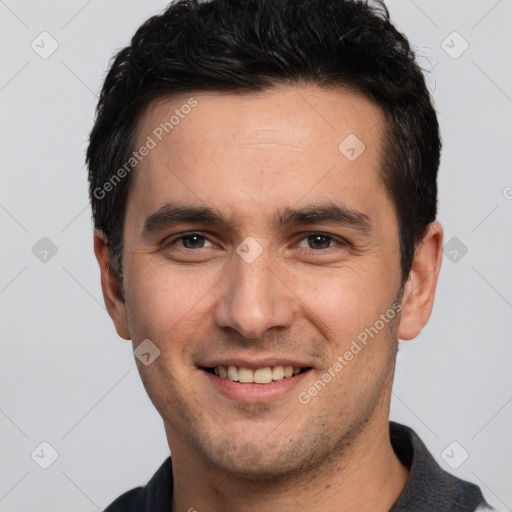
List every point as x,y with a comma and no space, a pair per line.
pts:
249,156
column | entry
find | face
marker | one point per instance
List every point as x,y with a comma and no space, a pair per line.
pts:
252,244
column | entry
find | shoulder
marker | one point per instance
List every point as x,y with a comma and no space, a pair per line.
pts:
429,487
130,501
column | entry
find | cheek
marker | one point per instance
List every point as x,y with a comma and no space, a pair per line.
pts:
178,302
163,304
343,301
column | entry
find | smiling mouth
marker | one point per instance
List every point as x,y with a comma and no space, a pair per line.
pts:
263,375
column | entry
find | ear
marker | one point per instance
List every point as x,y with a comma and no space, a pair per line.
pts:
420,288
112,295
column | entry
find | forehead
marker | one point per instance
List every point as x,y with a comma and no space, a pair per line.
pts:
253,153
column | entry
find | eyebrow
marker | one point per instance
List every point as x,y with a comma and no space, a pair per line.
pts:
326,213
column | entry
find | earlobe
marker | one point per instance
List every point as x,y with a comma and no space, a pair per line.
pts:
420,288
112,295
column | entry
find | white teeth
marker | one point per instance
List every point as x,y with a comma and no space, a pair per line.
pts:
245,375
233,373
259,376
263,375
278,372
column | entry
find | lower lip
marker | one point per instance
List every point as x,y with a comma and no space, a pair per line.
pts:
255,393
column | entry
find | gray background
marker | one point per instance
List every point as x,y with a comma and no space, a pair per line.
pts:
68,380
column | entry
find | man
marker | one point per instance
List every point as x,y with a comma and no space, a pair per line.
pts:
263,184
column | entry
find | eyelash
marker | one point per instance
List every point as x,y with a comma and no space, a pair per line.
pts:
332,238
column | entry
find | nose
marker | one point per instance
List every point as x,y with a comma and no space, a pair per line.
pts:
255,298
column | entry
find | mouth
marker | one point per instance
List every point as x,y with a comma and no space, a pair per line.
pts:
262,375
264,379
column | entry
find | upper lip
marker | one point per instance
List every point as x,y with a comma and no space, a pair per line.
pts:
254,363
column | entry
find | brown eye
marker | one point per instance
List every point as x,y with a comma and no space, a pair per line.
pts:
318,241
190,241
193,241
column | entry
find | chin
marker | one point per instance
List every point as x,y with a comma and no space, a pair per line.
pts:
266,461
259,468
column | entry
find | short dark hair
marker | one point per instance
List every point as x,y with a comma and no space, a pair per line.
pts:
252,45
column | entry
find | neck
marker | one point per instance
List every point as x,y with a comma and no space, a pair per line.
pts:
369,477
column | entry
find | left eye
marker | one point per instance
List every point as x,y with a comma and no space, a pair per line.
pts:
191,241
317,241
